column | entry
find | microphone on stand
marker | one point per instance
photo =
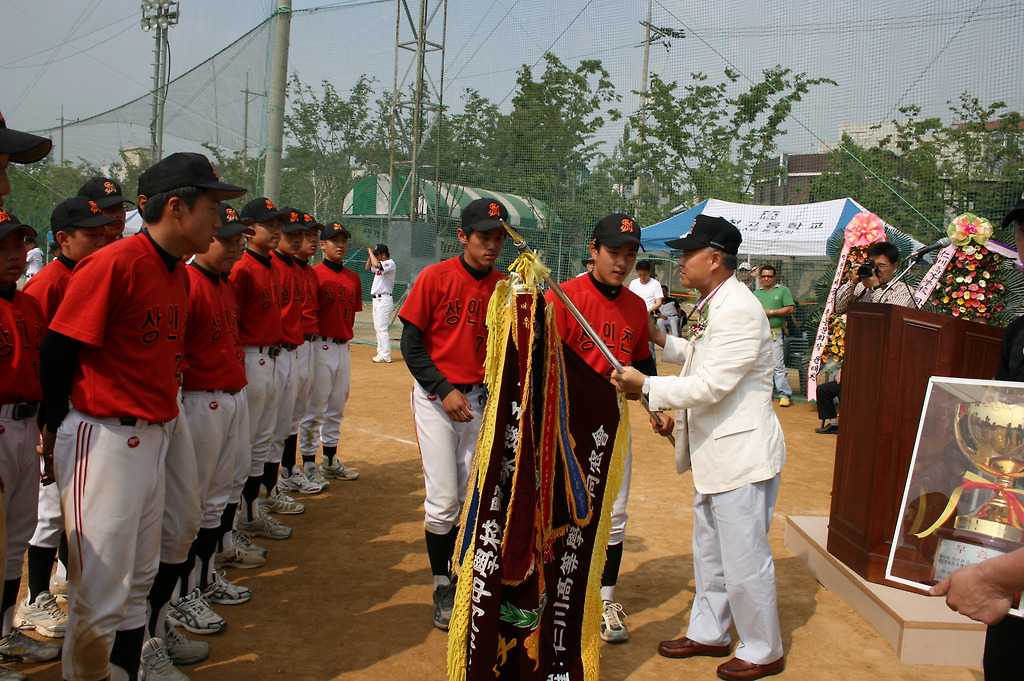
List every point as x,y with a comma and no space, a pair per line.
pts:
924,250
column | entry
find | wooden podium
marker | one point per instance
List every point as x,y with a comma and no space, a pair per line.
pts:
891,352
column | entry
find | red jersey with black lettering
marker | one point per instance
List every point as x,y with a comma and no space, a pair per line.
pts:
22,327
291,297
309,305
621,324
339,296
257,286
213,356
130,313
450,307
49,284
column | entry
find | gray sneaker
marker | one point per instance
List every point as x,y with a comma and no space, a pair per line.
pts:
278,502
245,543
264,526
313,474
156,664
182,650
196,615
8,674
223,592
338,471
613,629
18,646
43,615
444,601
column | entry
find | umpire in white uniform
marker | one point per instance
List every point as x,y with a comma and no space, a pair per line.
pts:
726,427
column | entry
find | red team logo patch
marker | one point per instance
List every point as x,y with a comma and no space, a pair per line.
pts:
232,215
270,206
494,210
432,397
213,405
627,225
109,188
133,442
262,362
324,347
93,207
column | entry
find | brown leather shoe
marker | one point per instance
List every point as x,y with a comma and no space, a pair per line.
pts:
687,647
741,670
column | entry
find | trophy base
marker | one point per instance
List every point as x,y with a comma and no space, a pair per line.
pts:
960,547
990,528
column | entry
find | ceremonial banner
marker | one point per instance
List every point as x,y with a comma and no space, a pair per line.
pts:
535,527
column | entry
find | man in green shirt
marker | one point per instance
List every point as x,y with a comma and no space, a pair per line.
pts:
777,302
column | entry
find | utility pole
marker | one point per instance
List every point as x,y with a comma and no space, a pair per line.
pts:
245,123
159,15
278,85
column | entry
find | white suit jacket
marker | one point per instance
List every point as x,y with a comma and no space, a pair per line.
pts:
726,428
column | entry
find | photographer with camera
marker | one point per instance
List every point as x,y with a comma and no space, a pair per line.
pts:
869,284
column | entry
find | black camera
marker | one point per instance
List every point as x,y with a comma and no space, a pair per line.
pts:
868,269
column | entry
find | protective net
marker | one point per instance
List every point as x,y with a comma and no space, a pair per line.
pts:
911,110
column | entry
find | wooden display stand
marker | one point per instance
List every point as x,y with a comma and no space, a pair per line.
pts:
891,352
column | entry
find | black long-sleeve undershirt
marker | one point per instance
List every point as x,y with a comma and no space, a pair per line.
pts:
58,357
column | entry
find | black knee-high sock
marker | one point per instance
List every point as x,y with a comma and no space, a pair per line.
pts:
250,495
439,552
269,477
167,576
291,445
329,454
62,549
453,537
40,561
227,519
205,546
611,565
10,597
126,652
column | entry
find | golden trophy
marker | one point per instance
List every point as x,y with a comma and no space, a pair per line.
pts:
991,436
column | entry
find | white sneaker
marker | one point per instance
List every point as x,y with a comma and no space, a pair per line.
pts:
223,592
264,526
238,558
338,471
156,665
613,629
8,674
298,483
59,591
313,474
278,502
182,650
18,646
246,544
195,614
43,615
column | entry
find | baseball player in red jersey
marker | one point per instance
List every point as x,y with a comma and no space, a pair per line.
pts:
22,326
339,297
258,287
79,228
115,348
444,343
286,476
620,316
107,195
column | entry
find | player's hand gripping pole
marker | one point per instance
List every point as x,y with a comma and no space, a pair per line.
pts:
522,247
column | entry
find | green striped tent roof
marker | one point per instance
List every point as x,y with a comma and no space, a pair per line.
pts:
370,197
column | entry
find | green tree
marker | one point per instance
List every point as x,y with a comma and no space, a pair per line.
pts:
37,188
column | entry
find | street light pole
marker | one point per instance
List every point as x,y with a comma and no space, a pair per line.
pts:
159,15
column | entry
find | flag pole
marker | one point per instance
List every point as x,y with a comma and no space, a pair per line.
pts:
523,247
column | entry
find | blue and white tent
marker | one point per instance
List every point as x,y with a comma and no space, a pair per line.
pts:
798,230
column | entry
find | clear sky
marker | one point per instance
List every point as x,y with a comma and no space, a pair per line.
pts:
91,55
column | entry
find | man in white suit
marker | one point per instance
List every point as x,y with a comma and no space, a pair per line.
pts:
726,430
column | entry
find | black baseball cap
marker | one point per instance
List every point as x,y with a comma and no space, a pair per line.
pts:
333,229
708,231
616,229
381,249
185,169
9,223
78,211
22,147
261,210
104,191
292,221
311,222
483,214
231,224
1016,213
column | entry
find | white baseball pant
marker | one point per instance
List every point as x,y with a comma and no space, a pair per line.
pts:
49,519
332,369
263,399
619,514
19,468
182,510
214,417
286,389
111,479
302,376
382,308
669,324
446,452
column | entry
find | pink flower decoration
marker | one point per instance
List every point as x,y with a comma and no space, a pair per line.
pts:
864,229
969,227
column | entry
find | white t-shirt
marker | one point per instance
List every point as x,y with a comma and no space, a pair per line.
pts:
650,291
383,277
34,262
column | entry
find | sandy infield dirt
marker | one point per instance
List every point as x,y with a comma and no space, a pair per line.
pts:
349,595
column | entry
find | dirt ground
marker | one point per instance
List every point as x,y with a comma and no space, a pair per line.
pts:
348,597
